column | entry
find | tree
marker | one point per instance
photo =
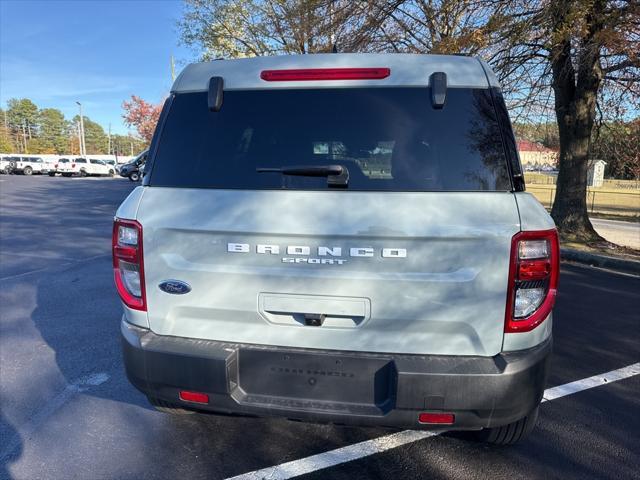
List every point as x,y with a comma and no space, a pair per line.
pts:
22,117
6,143
53,131
142,115
127,145
618,144
589,45
96,140
247,28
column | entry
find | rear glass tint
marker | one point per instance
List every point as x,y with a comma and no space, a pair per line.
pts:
389,139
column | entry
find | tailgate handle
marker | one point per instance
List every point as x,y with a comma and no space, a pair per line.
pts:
314,310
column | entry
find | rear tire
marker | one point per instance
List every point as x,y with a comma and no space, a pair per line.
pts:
27,171
52,174
168,407
511,433
83,173
66,175
134,177
111,173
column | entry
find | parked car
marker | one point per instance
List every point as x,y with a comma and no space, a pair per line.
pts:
28,165
339,238
133,170
69,167
6,164
112,164
100,168
85,167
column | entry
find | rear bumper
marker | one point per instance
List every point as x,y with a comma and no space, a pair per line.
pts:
334,386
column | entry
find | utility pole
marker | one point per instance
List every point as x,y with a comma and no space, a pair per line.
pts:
83,146
109,148
24,138
79,140
173,71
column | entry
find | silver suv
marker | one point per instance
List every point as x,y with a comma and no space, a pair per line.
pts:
339,238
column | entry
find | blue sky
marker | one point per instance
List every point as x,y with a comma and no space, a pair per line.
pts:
94,51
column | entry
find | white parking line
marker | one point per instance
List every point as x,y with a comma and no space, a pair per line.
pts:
591,382
382,444
29,428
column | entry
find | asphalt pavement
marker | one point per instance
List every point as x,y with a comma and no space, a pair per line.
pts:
68,412
620,232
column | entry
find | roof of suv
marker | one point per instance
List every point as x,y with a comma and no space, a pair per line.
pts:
406,70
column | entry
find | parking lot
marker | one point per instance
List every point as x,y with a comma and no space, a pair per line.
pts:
69,412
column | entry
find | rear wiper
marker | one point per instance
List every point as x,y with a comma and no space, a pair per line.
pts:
337,175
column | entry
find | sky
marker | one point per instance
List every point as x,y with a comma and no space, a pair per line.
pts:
98,52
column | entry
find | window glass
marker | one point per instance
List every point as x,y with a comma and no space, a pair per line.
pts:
389,139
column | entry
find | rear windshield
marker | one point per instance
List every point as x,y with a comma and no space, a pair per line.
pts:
389,139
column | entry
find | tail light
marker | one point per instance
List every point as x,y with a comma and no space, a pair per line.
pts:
533,279
325,74
55,166
128,265
73,165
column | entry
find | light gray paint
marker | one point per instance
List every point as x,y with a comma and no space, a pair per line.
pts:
532,214
524,340
409,70
446,297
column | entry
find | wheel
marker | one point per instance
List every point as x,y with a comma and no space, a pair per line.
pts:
27,171
52,174
83,173
111,173
66,175
134,177
511,433
168,407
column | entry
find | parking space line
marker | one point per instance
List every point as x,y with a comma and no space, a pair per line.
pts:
381,444
28,429
66,264
591,382
42,257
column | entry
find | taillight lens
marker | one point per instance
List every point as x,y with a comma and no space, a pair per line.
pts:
533,279
73,165
128,265
302,74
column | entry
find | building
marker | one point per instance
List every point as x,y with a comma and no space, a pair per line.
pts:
533,154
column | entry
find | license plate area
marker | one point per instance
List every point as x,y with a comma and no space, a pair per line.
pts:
311,381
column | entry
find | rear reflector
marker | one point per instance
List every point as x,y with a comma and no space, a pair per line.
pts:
325,74
437,418
194,397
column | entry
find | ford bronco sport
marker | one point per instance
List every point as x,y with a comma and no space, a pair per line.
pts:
339,238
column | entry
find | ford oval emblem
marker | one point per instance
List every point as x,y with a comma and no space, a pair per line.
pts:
174,287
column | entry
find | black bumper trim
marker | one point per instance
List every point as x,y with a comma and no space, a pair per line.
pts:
385,390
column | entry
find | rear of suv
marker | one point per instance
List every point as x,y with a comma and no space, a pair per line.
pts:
339,238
